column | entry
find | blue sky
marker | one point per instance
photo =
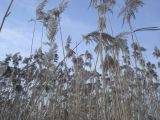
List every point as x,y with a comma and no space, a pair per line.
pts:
76,21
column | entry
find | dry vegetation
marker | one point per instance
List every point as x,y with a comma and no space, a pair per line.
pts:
42,87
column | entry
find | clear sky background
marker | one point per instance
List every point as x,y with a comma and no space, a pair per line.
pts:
77,20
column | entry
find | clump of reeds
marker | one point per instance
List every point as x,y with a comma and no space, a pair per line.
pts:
42,87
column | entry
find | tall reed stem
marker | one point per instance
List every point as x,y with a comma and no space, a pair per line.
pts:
6,15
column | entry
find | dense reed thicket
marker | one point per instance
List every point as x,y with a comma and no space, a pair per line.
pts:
42,87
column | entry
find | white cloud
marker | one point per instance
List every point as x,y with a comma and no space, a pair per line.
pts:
18,39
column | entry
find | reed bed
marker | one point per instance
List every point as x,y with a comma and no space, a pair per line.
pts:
42,87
